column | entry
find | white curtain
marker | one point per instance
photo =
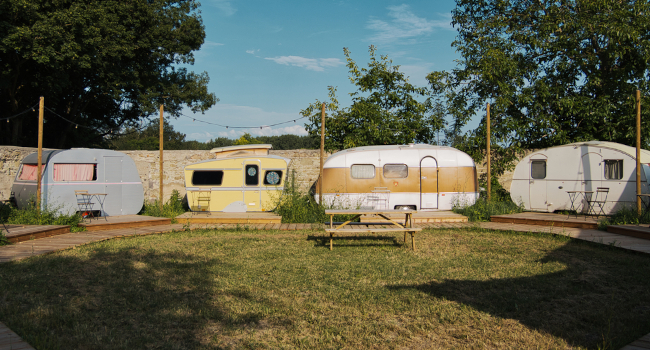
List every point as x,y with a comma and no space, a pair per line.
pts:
73,172
29,172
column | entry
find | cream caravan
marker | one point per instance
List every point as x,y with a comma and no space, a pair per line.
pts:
240,179
541,180
414,176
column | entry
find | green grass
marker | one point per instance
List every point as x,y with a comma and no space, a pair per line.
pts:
297,207
31,216
277,289
625,216
483,209
170,209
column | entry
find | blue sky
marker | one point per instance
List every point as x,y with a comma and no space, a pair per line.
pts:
268,60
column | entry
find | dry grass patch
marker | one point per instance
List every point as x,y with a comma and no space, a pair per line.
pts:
270,289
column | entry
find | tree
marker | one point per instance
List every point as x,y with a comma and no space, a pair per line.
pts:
100,64
554,72
148,138
386,109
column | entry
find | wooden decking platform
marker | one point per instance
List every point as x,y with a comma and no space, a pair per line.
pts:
548,219
423,217
229,218
638,231
11,341
123,221
21,233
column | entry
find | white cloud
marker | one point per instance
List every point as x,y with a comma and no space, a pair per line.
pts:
404,25
315,64
252,52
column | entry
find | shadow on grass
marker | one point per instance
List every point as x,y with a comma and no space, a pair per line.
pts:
589,303
324,241
120,299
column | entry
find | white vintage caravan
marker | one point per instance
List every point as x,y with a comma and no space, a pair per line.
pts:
541,179
415,176
109,174
240,179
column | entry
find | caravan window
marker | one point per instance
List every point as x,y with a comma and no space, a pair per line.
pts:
28,172
273,177
252,175
74,172
538,169
207,177
613,169
362,171
396,171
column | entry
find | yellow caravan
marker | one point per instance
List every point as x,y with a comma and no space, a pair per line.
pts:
240,179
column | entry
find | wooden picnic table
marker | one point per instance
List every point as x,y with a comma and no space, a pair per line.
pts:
393,225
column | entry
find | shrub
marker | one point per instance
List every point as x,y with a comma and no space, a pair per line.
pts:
296,207
32,216
171,209
625,216
483,209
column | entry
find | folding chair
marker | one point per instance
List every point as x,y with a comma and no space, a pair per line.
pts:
597,204
84,203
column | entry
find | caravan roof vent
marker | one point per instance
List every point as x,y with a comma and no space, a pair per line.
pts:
241,151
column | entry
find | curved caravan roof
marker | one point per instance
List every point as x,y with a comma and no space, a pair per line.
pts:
630,151
405,154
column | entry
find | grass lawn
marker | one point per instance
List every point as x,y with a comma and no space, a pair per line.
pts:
277,289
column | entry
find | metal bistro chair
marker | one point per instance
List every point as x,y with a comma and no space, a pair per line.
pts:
598,201
84,203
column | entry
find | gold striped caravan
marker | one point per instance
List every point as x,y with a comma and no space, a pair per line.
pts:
414,176
240,179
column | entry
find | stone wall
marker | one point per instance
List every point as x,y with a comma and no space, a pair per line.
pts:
305,163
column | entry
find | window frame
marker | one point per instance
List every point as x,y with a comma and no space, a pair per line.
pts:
620,169
208,171
267,171
395,177
538,161
374,172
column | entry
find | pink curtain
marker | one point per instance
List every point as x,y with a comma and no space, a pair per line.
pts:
29,172
72,172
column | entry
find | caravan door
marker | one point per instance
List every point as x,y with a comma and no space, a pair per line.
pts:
537,183
112,186
252,185
591,171
428,183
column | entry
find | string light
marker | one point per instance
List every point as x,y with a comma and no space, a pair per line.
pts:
241,127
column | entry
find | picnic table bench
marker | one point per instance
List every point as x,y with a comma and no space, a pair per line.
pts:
393,226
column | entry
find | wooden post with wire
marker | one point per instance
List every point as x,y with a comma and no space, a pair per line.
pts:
41,106
638,151
161,157
488,155
322,154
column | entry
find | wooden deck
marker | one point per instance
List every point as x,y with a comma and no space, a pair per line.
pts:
423,217
229,218
548,219
11,341
21,233
123,221
638,231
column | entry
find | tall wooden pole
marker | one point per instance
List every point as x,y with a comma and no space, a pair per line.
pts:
322,153
638,151
41,106
161,157
488,155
